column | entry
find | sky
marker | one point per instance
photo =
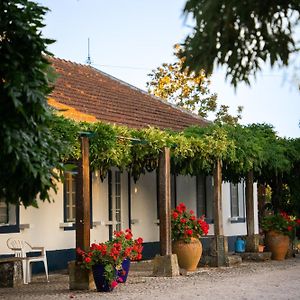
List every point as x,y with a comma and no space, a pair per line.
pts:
129,38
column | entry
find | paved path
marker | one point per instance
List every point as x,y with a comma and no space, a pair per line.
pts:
265,280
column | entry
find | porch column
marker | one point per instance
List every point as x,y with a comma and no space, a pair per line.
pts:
220,242
83,221
166,263
81,279
164,202
252,240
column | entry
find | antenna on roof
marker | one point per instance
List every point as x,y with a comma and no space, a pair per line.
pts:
88,60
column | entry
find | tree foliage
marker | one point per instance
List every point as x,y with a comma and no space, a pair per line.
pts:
240,35
188,90
28,152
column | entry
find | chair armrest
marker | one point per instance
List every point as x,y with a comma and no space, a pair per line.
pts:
42,249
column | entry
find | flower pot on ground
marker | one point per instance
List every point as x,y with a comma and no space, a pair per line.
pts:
278,244
261,248
188,254
186,232
106,259
102,284
279,229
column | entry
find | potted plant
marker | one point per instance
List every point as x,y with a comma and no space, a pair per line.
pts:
106,260
279,229
131,250
186,232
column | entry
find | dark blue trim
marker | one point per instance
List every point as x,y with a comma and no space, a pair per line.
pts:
150,250
12,228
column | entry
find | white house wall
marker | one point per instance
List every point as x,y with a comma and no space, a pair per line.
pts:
144,208
186,191
45,222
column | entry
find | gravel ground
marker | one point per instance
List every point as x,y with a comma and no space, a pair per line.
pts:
266,280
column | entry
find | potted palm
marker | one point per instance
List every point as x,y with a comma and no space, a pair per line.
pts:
279,228
186,232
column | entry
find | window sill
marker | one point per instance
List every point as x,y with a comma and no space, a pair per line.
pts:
233,220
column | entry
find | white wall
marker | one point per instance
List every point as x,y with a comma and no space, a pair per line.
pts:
186,191
144,207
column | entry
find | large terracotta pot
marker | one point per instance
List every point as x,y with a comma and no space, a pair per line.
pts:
188,254
278,244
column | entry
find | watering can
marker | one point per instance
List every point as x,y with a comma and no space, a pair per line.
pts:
240,245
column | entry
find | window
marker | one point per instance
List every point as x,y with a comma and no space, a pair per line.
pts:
205,197
114,201
237,201
70,196
9,217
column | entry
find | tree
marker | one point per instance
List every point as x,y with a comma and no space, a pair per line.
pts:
240,35
28,152
188,90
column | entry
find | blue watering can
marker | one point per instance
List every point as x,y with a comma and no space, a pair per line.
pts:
240,245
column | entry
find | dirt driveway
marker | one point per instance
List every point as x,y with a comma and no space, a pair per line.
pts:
266,280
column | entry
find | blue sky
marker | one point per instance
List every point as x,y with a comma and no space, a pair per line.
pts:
129,38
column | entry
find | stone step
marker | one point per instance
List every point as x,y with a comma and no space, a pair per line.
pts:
256,256
141,266
233,260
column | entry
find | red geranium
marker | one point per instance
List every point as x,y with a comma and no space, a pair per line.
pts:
185,225
112,253
281,223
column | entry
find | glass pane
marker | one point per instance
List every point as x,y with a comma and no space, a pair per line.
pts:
234,200
3,212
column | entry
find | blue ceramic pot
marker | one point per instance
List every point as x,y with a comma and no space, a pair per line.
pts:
125,269
101,283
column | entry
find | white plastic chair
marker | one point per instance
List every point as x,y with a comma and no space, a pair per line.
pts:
21,248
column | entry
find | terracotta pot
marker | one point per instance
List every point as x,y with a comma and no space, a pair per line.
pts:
278,244
261,248
188,254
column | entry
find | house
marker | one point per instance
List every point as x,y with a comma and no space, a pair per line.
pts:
85,93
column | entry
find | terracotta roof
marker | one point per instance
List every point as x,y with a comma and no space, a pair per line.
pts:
98,95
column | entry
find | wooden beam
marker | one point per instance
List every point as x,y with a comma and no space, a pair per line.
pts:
249,203
218,219
164,202
83,221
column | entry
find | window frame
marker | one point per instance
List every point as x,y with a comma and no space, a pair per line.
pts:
241,213
11,228
73,227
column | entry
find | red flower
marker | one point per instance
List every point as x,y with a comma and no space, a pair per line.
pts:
114,284
128,236
188,231
183,220
298,221
139,240
192,218
175,215
87,260
191,212
290,228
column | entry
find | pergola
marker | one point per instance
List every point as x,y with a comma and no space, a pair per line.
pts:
80,279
